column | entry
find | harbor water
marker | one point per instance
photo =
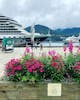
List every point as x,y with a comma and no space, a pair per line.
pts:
57,44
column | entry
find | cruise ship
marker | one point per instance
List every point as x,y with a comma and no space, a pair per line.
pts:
10,28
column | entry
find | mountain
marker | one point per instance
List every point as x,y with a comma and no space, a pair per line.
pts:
69,31
40,29
56,34
44,30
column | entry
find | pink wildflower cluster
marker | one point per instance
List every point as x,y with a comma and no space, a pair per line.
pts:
70,46
27,50
12,66
76,67
65,49
34,65
57,62
52,53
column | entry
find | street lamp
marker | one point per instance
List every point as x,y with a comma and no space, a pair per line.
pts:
32,36
49,38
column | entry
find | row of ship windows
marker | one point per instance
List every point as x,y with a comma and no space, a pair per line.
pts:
3,23
3,18
9,24
6,25
7,29
6,19
10,31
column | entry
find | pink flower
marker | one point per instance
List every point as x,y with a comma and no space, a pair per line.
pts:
10,73
41,70
55,57
54,64
27,50
49,53
12,66
76,67
52,53
18,67
70,46
65,48
30,70
33,65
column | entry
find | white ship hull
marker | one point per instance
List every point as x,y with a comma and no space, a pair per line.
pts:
73,39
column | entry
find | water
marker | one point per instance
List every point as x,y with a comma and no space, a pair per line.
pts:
60,44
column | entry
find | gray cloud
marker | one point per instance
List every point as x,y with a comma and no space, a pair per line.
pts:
52,13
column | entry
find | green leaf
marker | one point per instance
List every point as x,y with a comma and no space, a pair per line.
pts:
24,78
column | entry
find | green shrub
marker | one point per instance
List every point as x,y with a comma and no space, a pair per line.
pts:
71,62
76,72
46,60
49,67
53,67
30,71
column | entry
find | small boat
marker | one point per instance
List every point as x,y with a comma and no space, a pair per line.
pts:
73,38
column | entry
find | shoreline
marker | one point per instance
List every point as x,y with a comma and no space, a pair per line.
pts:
43,46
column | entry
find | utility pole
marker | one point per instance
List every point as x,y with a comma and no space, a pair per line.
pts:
32,35
49,38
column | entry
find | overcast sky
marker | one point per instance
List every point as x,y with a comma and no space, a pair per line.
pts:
51,13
